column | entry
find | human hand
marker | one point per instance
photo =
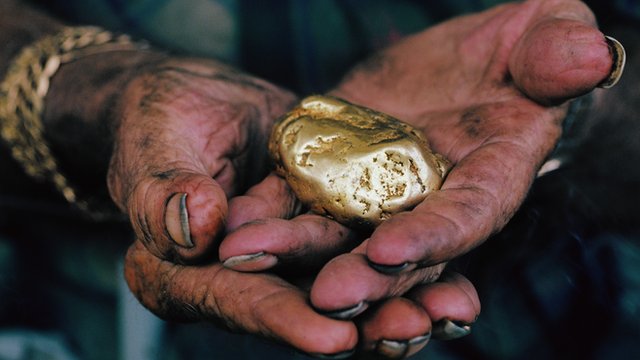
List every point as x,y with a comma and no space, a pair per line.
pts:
166,120
391,321
488,90
192,135
396,326
266,305
194,127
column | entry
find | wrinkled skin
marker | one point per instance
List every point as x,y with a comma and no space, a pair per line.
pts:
486,89
160,161
493,107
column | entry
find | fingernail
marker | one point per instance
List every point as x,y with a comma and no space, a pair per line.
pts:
177,220
392,348
252,262
401,349
449,330
392,269
336,356
619,60
549,166
345,314
417,343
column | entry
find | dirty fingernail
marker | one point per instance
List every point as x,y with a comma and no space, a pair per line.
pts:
336,356
417,343
252,262
401,349
177,220
392,348
392,269
619,60
345,314
449,330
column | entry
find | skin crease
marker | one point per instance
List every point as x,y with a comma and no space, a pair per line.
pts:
495,124
188,125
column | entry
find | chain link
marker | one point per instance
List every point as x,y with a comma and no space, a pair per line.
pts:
24,89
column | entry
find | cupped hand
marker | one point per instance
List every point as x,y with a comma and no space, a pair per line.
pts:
191,135
489,90
265,304
277,306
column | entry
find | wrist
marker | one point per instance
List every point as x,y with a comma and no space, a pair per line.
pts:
89,90
26,123
81,114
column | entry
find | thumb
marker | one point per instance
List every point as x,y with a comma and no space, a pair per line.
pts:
558,59
178,216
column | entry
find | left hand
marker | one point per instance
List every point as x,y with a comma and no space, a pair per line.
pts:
489,91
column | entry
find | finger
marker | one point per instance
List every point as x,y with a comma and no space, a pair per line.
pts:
498,150
306,241
561,55
256,303
397,328
452,304
347,285
400,327
271,198
178,215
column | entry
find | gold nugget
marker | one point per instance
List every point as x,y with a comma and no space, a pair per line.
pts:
351,163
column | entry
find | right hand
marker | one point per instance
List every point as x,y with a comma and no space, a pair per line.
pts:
194,129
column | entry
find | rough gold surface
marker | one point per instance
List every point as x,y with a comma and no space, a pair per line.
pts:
351,163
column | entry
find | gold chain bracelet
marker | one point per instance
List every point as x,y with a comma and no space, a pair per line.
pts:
23,91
